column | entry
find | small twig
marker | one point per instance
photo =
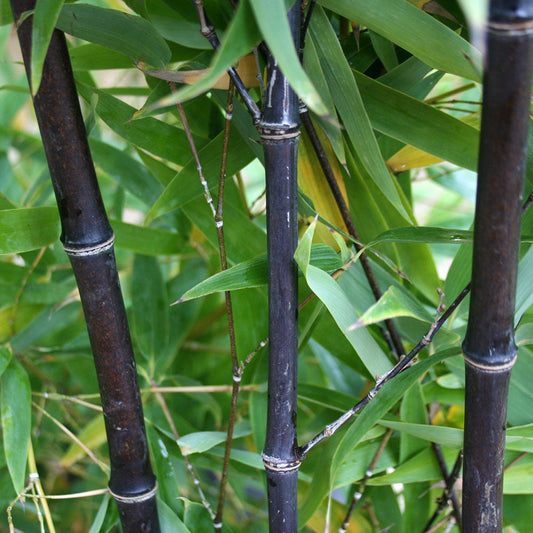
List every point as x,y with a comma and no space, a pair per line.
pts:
61,397
18,296
404,362
208,31
390,334
368,474
36,482
219,220
164,407
449,493
71,435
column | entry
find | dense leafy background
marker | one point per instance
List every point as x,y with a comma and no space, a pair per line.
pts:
406,90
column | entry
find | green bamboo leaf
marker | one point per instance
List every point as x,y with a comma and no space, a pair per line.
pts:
196,517
186,184
6,353
422,467
388,396
92,435
333,297
44,20
15,397
524,285
393,303
202,441
22,230
169,521
239,39
98,521
126,170
418,124
351,108
424,234
253,273
519,478
271,19
415,260
130,35
445,436
415,31
150,307
150,134
93,57
147,241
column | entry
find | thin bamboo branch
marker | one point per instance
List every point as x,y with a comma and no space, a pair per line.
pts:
406,361
219,221
88,240
449,494
166,411
208,31
489,347
358,494
390,334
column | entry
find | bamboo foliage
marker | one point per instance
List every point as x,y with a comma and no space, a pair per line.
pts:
182,172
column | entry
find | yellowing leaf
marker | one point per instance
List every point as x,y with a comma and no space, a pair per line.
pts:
313,183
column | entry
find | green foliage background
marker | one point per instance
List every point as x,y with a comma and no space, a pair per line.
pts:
406,91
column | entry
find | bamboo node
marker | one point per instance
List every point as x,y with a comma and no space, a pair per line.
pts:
512,28
91,250
280,465
484,367
135,499
278,132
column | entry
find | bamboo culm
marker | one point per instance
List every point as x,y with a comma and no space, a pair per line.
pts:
279,129
489,347
88,240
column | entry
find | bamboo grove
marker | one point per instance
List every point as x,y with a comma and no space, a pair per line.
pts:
319,214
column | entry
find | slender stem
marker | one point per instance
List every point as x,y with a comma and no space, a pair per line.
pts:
489,347
88,240
449,493
36,480
22,287
404,362
390,334
208,31
219,219
164,407
368,474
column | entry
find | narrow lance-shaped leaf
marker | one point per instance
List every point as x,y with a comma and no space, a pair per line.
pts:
415,31
331,294
240,37
351,108
44,20
15,397
271,20
133,36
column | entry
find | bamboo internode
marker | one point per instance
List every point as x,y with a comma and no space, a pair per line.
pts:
279,129
489,346
88,240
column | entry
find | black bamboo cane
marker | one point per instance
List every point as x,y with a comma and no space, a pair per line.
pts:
88,240
489,348
279,129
